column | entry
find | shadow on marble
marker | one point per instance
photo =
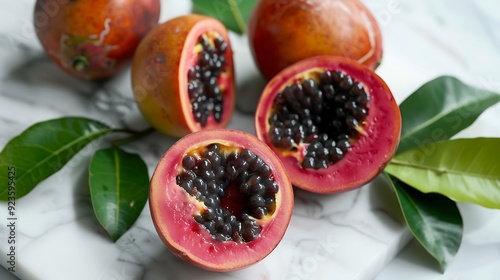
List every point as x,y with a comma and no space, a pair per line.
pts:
37,69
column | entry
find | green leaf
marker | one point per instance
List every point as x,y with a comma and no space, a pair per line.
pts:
43,149
464,169
234,14
434,220
119,187
440,109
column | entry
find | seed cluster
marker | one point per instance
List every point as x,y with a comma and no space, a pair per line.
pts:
325,112
241,177
203,89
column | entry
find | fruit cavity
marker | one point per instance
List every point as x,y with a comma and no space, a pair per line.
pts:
182,75
333,122
220,199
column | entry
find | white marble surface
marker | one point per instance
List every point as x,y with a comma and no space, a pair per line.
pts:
352,235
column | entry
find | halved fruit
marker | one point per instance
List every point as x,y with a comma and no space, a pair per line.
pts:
332,121
220,199
182,75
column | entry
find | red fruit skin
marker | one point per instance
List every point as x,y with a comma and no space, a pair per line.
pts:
159,75
92,39
283,32
367,157
172,208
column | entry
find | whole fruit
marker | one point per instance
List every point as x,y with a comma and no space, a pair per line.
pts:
283,32
333,122
92,39
220,199
182,75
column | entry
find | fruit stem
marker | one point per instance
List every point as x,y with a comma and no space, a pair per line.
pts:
134,136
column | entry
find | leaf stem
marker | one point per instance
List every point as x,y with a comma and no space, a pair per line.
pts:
134,136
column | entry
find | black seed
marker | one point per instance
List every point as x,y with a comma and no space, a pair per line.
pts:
187,185
236,226
325,77
337,76
259,212
315,146
285,143
337,124
308,162
363,98
329,91
219,220
199,218
343,144
271,186
241,165
204,165
188,162
193,74
221,237
264,170
360,113
249,231
340,98
210,202
248,156
214,147
297,90
245,217
225,229
203,58
323,163
357,89
230,219
323,137
210,226
200,185
244,188
259,189
336,154
204,42
309,86
270,201
254,179
351,122
329,143
339,113
346,83
209,214
350,106
222,48
219,172
231,171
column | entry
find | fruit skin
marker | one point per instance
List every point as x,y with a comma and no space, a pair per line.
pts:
159,75
367,157
283,32
172,208
92,39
